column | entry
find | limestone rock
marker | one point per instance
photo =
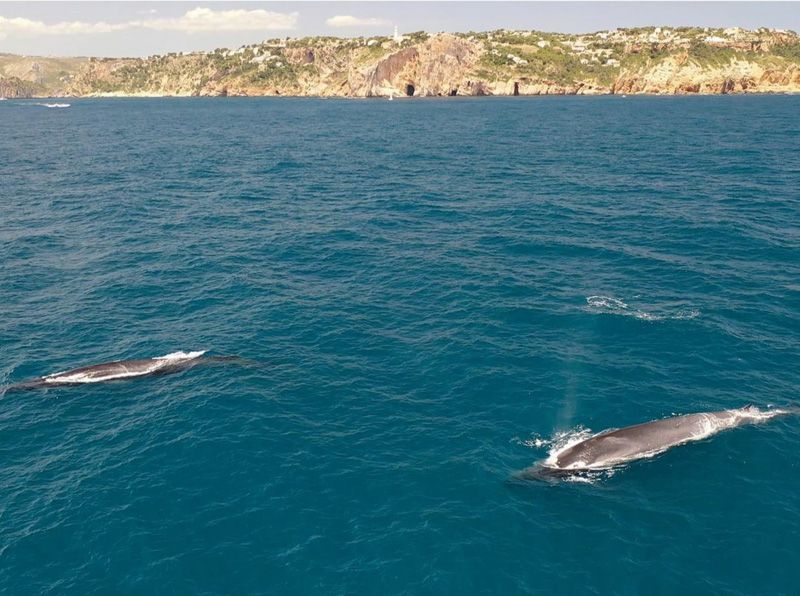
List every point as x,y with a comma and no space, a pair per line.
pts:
648,60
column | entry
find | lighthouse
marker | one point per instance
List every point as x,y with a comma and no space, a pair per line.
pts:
397,37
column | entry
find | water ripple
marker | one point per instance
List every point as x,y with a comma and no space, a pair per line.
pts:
429,288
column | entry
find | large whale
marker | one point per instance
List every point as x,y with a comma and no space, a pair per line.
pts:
120,369
615,447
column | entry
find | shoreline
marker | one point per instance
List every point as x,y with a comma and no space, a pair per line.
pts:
405,98
504,63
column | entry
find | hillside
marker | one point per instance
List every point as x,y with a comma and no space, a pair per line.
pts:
645,60
26,76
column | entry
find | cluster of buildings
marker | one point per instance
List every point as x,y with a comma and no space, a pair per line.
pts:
634,39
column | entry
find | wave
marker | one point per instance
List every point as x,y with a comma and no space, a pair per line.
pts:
53,105
615,306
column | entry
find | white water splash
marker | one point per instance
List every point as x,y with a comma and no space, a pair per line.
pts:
534,442
53,105
181,355
615,306
563,440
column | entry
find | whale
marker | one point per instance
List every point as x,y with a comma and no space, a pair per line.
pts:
615,447
120,369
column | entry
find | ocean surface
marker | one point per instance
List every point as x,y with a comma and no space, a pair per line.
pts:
430,295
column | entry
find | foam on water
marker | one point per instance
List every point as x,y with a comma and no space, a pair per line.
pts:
53,105
563,440
615,306
177,356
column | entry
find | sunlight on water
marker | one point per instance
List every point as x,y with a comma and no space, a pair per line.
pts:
412,284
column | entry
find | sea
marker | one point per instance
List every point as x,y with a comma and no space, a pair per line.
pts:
427,296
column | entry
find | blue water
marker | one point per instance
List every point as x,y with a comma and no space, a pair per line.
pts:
429,289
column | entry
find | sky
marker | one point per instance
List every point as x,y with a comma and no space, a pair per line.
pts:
146,28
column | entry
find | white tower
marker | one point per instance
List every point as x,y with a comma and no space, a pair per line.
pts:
397,38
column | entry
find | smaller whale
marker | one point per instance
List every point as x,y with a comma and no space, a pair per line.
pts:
615,447
121,369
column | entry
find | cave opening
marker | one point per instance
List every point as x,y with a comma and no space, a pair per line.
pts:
410,90
516,88
453,92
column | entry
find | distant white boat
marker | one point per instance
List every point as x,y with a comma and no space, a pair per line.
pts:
391,97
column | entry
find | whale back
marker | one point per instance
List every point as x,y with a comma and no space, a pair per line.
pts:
614,447
642,440
121,369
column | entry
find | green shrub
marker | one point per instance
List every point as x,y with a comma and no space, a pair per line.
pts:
707,55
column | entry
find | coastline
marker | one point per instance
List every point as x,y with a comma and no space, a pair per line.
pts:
406,98
639,61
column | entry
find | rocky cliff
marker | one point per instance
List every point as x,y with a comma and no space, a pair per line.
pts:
14,87
645,60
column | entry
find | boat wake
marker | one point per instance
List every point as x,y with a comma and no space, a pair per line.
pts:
614,306
53,105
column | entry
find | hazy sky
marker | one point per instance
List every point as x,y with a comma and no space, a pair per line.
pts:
143,28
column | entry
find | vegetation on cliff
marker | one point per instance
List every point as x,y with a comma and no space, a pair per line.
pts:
639,60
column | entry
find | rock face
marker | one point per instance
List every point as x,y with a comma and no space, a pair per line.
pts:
382,78
680,76
439,66
15,88
644,60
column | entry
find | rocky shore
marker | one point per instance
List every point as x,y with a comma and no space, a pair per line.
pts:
651,60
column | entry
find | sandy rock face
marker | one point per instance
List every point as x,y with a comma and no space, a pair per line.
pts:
782,78
387,76
444,64
525,86
676,76
13,88
438,66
